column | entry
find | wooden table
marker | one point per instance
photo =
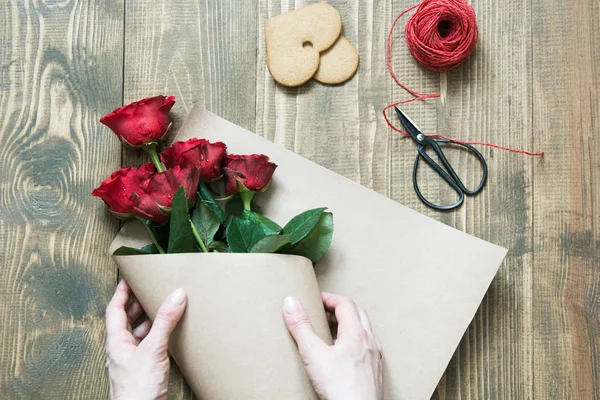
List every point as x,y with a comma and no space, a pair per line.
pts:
532,83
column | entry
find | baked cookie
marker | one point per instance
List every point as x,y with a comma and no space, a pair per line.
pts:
295,40
338,63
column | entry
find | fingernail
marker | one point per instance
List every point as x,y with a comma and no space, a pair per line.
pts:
290,305
177,297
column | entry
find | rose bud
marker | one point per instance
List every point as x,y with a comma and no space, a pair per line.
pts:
196,152
156,197
120,189
141,122
253,171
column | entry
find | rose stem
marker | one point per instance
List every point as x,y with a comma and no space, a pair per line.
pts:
247,199
198,238
151,234
150,148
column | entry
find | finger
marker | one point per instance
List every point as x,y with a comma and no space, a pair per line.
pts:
167,317
116,318
134,311
298,323
142,330
346,313
365,321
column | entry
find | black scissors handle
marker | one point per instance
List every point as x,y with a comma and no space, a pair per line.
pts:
448,174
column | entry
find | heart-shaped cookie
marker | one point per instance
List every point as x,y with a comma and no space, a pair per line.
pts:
295,40
338,63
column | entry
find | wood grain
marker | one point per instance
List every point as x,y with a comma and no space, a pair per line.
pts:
488,99
338,126
199,51
56,75
566,111
532,83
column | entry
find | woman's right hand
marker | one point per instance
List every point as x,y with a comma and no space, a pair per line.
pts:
352,367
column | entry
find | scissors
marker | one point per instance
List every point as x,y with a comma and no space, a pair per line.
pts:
448,174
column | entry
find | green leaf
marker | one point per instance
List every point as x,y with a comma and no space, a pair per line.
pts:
234,207
181,236
302,224
149,249
269,227
127,251
219,247
318,240
242,235
161,233
130,251
206,195
270,244
205,220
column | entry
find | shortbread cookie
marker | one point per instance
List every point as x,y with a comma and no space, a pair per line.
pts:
295,39
338,63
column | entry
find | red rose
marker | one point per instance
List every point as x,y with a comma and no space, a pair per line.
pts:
141,122
156,197
196,152
254,171
121,188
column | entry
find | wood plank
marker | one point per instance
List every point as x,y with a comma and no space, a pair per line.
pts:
57,75
402,150
476,106
199,51
339,127
566,292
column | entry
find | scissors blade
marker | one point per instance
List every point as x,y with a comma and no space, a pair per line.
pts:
412,128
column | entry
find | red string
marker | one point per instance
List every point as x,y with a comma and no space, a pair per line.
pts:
440,35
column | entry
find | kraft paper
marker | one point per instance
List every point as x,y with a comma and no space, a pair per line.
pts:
419,280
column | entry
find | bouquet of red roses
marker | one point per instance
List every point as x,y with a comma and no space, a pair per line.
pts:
194,197
196,226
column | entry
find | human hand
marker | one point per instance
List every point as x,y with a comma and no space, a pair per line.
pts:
351,368
137,359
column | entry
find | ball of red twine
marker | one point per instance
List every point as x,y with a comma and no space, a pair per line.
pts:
442,34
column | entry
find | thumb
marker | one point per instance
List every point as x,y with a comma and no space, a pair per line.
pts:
167,317
298,323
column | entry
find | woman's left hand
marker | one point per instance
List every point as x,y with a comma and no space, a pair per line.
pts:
137,359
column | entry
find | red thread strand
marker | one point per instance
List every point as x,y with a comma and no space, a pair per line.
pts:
440,35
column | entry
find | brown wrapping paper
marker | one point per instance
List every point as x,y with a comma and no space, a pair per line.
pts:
227,339
419,280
